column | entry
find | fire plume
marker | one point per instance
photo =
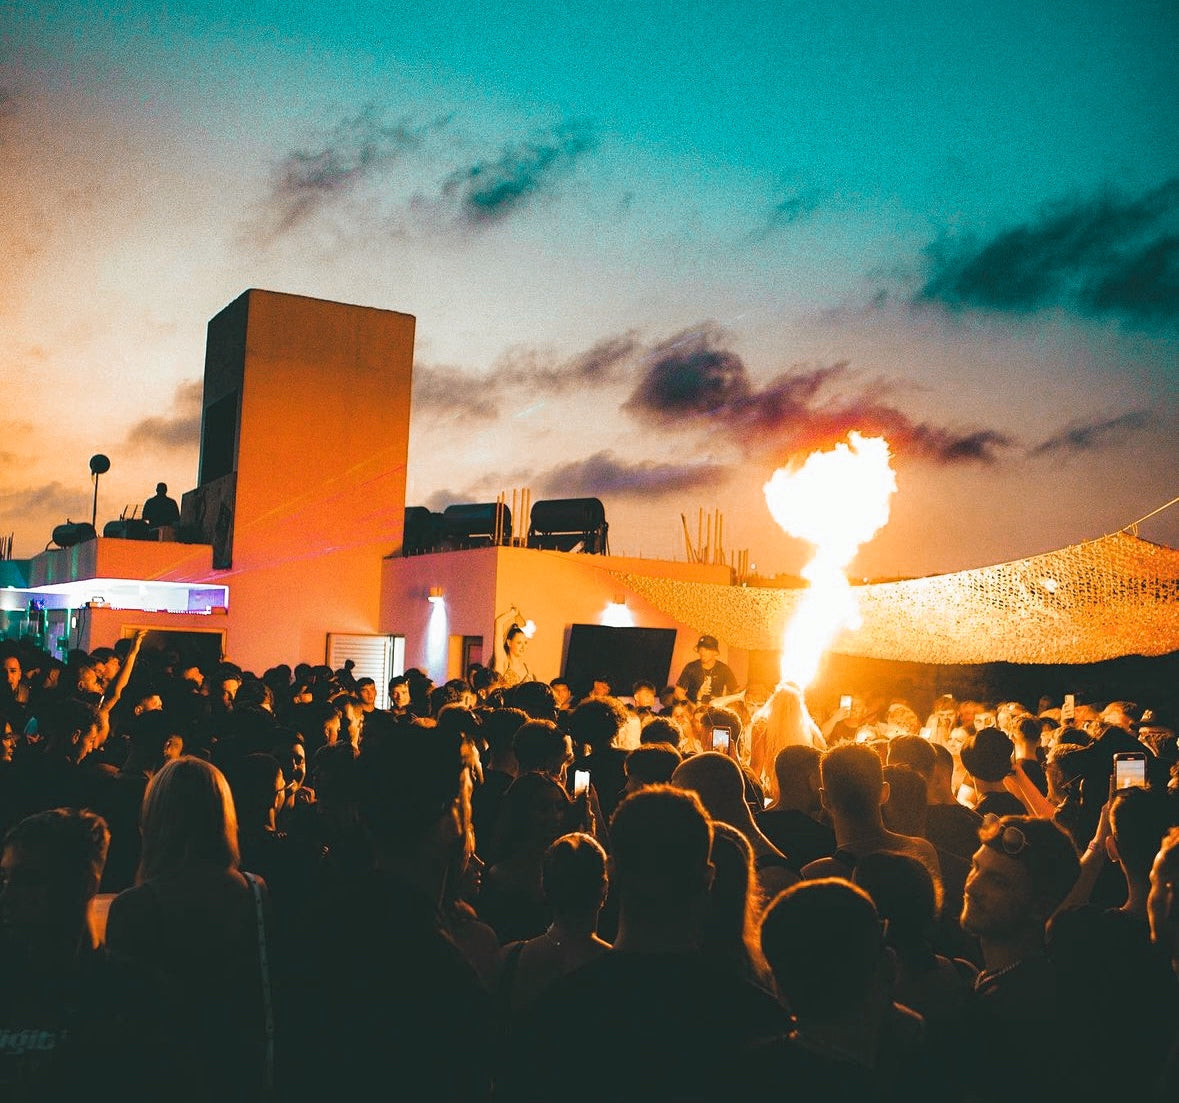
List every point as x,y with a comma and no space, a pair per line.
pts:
837,501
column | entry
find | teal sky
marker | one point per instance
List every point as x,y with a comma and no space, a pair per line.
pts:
660,248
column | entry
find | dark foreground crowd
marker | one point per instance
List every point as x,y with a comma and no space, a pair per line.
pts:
217,886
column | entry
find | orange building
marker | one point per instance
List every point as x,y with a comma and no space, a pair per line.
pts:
289,547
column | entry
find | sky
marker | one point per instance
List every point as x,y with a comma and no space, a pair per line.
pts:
655,251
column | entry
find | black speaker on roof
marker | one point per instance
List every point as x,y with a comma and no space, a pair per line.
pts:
476,526
128,528
73,532
569,524
423,531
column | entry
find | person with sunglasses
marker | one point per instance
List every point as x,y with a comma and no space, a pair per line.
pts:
1021,872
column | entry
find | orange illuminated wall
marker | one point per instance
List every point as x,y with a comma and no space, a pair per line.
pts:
304,439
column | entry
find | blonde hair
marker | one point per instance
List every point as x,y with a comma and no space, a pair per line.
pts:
783,721
188,819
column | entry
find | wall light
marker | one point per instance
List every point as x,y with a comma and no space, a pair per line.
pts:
617,614
435,594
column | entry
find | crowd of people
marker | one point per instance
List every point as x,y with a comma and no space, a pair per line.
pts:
216,884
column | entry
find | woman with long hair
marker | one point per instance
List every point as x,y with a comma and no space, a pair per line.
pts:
783,721
197,923
732,922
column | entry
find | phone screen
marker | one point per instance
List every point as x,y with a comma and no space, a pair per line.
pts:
845,701
581,780
1130,771
721,738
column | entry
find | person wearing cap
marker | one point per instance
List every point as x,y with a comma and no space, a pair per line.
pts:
705,677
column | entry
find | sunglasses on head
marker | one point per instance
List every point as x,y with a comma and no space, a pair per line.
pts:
1010,839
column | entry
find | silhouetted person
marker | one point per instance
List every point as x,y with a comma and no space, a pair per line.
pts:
160,510
385,1000
825,943
72,1022
617,1028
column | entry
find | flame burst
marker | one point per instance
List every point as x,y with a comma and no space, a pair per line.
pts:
837,501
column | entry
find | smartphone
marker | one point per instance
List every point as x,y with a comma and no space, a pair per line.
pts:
722,738
1130,770
1069,709
581,780
845,701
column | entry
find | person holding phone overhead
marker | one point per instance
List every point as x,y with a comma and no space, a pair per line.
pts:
705,677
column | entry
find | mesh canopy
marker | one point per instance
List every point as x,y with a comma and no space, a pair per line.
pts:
1103,599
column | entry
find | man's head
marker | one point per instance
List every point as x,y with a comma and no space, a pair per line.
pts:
660,842
824,943
708,650
106,663
542,747
651,764
535,698
1019,875
597,721
562,694
796,770
574,875
1138,819
658,729
50,870
399,693
12,673
291,755
161,488
912,750
643,694
366,690
986,755
852,778
717,780
713,717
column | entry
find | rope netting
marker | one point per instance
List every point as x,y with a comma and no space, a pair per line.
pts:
1118,595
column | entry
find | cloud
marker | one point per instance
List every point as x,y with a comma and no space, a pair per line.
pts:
489,190
308,180
604,362
51,499
603,473
691,375
182,429
1108,256
793,207
446,389
440,389
1093,435
695,380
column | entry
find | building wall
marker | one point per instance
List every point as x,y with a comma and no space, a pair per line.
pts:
554,589
320,469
